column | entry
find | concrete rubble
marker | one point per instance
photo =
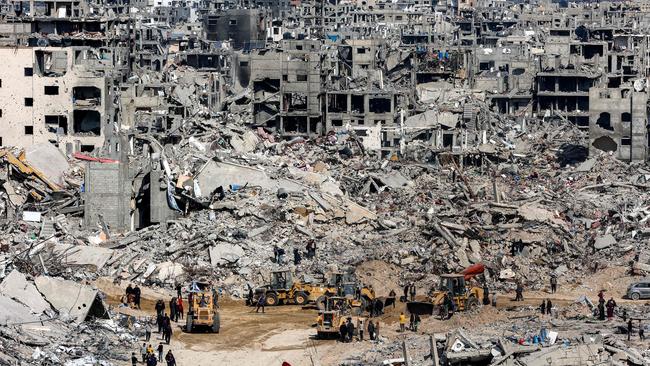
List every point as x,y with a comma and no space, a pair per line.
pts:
155,142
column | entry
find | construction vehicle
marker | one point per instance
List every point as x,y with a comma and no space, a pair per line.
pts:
202,308
331,317
360,298
285,289
457,289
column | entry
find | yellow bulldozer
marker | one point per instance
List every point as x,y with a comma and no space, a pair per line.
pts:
202,308
331,316
285,289
453,292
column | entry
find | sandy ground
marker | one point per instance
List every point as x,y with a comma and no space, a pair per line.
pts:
285,333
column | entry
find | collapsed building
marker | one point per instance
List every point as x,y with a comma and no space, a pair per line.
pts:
155,140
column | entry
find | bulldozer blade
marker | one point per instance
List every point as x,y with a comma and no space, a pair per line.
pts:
420,308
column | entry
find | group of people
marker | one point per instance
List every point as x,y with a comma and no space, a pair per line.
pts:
278,253
133,295
164,321
347,330
546,307
610,305
414,322
409,292
149,357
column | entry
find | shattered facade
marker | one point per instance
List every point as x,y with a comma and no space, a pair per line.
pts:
165,143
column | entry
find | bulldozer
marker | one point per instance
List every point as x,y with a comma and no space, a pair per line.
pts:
202,310
285,289
346,286
456,287
331,317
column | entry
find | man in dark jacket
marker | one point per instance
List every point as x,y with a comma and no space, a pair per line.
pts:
136,296
350,329
169,358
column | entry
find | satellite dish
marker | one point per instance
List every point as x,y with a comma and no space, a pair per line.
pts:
639,85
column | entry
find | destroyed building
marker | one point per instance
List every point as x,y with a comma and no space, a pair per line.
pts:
162,142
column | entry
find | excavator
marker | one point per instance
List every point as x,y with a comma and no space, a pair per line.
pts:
464,296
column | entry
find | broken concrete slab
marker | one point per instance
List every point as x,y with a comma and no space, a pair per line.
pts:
16,286
604,241
219,174
92,257
49,160
167,271
73,301
225,253
14,312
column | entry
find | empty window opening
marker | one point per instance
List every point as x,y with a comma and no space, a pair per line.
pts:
361,50
86,95
357,104
295,124
337,122
29,130
57,124
29,71
626,117
338,103
87,148
301,77
51,90
29,102
604,121
379,105
295,101
626,141
51,63
87,122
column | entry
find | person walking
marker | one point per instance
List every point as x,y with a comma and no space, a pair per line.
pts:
151,360
361,328
406,293
160,352
144,351
296,256
542,308
261,302
412,291
416,322
134,359
172,309
611,306
178,290
402,322
147,332
179,308
486,294
168,333
629,329
371,330
137,293
641,331
549,306
412,321
169,358
553,283
519,292
393,295
343,332
350,330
